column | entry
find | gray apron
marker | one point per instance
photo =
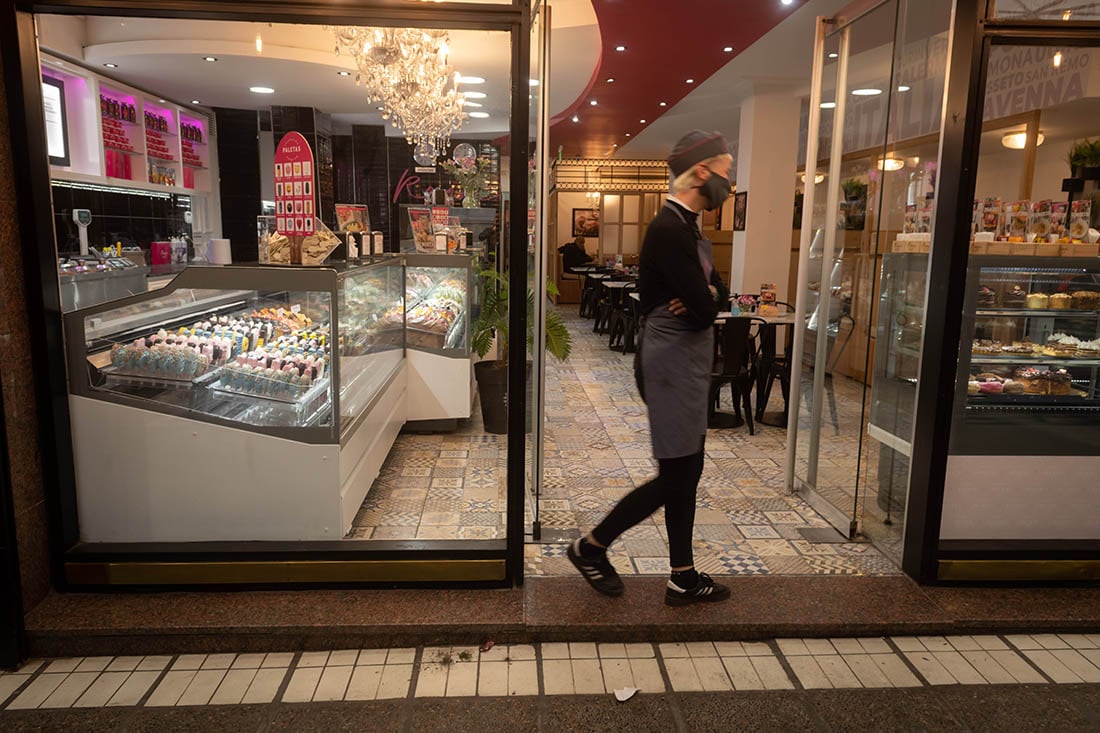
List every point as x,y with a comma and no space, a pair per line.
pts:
676,367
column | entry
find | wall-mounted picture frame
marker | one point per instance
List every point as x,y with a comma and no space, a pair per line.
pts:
740,205
586,223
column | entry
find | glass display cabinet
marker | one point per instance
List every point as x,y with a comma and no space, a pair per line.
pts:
264,399
443,299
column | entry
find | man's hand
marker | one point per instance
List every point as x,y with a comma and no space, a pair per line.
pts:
677,307
713,292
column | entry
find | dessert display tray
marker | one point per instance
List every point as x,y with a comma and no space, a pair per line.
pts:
115,375
1033,359
318,388
435,339
1037,312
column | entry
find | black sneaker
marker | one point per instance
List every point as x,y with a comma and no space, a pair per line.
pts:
705,591
599,573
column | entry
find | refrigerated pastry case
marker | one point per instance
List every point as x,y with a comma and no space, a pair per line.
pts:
443,298
236,403
1025,438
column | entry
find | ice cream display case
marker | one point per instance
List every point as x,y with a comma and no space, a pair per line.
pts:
262,400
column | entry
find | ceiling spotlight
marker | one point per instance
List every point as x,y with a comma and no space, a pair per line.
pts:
834,55
642,121
479,115
468,103
195,101
818,177
161,101
463,79
620,48
1018,140
787,2
259,44
111,66
870,92
662,104
1057,59
828,105
904,87
610,80
343,73
628,134
261,90
728,49
690,81
593,103
380,109
575,118
474,95
211,59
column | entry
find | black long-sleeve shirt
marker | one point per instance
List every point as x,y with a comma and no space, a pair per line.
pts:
669,267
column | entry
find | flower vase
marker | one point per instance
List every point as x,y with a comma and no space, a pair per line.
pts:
469,201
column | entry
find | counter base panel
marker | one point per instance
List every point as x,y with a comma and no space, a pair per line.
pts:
148,477
440,387
1021,498
365,450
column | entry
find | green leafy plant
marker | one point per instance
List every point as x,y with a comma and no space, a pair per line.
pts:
854,189
493,321
1084,154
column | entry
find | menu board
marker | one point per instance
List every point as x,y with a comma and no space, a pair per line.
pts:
420,222
295,199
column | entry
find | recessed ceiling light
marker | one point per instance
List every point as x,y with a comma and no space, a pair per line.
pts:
642,121
380,109
593,102
533,82
620,48
195,101
610,80
261,90
111,66
211,59
690,81
828,105
728,49
834,55
869,92
479,115
890,163
474,95
343,73
628,134
787,2
463,79
904,88
576,119
161,101
662,104
468,103
1018,140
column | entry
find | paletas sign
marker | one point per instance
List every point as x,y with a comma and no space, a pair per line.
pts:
295,198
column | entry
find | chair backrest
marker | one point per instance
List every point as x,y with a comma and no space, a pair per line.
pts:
736,350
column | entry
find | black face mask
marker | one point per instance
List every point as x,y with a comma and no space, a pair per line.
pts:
716,189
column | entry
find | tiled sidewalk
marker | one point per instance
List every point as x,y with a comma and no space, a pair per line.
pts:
551,669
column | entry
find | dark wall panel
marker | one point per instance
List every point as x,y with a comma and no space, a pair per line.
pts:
239,171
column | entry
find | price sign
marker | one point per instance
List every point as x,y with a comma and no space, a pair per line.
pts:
295,197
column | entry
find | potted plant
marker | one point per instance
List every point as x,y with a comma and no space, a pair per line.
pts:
1084,159
492,322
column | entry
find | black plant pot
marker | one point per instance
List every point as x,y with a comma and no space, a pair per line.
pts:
1088,173
492,388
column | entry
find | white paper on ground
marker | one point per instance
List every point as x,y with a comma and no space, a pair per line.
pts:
625,694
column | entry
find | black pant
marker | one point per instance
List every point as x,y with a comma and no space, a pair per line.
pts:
674,488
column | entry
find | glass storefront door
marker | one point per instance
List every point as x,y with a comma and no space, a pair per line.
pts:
881,92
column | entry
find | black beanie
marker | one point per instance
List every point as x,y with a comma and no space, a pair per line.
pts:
695,147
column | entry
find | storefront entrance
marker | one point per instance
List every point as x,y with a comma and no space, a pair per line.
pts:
216,473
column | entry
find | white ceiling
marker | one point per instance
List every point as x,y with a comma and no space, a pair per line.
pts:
299,62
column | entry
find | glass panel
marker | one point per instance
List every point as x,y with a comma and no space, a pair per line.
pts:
372,334
632,241
631,206
1068,10
899,271
611,209
252,357
609,242
1029,364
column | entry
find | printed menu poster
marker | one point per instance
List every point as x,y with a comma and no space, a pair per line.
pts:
440,214
420,221
352,218
295,198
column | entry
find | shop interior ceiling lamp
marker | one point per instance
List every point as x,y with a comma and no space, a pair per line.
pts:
890,163
408,72
818,177
1018,140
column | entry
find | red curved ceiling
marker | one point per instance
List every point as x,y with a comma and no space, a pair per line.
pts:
667,42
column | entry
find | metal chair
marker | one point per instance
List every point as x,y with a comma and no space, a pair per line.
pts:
734,365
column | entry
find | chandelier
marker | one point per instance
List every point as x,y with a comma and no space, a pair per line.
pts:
407,73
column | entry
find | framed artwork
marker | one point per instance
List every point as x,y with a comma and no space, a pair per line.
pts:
586,222
740,204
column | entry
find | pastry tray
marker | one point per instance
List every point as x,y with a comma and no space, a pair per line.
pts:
427,339
115,375
317,389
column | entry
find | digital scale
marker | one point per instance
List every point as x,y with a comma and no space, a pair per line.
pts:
83,217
